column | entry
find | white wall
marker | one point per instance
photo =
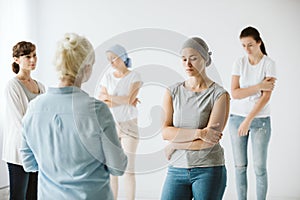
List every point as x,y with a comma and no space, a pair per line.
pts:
18,22
219,23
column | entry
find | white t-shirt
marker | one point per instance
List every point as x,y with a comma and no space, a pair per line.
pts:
121,87
251,75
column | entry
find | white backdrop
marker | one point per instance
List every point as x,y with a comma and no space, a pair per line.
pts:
219,23
17,22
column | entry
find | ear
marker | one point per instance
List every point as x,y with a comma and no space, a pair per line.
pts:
17,60
87,72
259,42
87,67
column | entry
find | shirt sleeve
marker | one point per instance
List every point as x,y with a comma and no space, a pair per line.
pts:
104,80
114,156
173,89
28,159
236,68
219,91
15,108
271,69
136,78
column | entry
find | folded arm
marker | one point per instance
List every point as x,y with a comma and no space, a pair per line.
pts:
239,93
105,97
170,132
265,87
217,122
113,100
196,139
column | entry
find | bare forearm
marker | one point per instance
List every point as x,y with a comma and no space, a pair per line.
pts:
240,93
260,104
113,100
127,99
174,134
194,145
110,104
120,99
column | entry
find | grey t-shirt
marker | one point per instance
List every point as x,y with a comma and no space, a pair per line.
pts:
192,110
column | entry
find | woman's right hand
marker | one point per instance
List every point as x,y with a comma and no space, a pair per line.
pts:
210,134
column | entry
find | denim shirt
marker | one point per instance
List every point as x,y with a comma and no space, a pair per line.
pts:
71,140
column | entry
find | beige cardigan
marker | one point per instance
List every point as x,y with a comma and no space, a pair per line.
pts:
16,103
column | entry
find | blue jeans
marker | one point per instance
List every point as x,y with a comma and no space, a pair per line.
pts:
260,132
22,185
201,183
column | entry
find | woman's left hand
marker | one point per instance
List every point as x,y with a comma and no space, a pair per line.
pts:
135,102
244,128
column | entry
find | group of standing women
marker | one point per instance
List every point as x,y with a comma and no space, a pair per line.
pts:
72,146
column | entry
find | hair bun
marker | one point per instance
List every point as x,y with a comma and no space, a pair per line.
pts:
70,41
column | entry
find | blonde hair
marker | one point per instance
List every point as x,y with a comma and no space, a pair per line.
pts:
72,54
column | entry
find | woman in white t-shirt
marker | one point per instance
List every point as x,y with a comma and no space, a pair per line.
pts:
119,89
253,79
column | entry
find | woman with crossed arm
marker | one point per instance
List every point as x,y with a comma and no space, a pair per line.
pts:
252,83
196,113
119,90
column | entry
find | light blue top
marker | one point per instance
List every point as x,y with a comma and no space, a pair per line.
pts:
71,140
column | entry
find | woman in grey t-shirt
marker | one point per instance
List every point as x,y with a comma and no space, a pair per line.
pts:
196,113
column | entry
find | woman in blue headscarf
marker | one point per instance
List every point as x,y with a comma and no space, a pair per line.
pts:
119,89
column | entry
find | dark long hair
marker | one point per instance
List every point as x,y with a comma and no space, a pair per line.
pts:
253,32
21,49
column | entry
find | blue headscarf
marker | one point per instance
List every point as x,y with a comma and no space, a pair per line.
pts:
120,52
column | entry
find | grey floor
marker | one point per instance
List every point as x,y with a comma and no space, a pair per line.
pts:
4,193
4,196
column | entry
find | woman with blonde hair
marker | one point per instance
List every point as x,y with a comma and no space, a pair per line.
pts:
70,137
